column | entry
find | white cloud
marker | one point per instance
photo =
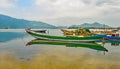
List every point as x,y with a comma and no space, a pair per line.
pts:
77,8
67,12
82,10
59,8
7,3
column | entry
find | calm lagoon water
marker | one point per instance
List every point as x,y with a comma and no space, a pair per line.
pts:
15,54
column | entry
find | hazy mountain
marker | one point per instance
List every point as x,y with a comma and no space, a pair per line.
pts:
93,25
10,22
62,27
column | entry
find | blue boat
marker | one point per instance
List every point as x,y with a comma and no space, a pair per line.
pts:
117,38
112,37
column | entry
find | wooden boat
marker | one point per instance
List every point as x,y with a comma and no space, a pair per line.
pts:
77,32
68,44
62,38
103,32
85,32
40,31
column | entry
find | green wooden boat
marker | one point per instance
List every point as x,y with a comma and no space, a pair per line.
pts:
68,44
62,38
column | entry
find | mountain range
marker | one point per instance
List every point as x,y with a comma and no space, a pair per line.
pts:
91,25
14,23
10,22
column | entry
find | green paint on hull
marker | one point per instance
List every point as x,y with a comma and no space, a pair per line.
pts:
64,38
69,44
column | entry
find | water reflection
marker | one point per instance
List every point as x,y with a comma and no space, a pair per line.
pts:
7,36
57,60
113,43
43,54
67,44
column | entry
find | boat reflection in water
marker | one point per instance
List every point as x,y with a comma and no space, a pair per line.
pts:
112,42
68,44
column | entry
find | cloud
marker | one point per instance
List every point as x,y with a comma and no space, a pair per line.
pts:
91,10
7,3
77,8
69,12
59,8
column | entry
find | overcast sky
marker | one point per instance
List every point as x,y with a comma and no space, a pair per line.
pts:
64,12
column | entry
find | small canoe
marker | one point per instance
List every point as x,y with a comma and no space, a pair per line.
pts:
62,38
68,44
40,31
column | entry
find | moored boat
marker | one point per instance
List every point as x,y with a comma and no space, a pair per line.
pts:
40,31
77,32
62,38
115,38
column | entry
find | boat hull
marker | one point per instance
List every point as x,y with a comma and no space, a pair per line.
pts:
62,38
